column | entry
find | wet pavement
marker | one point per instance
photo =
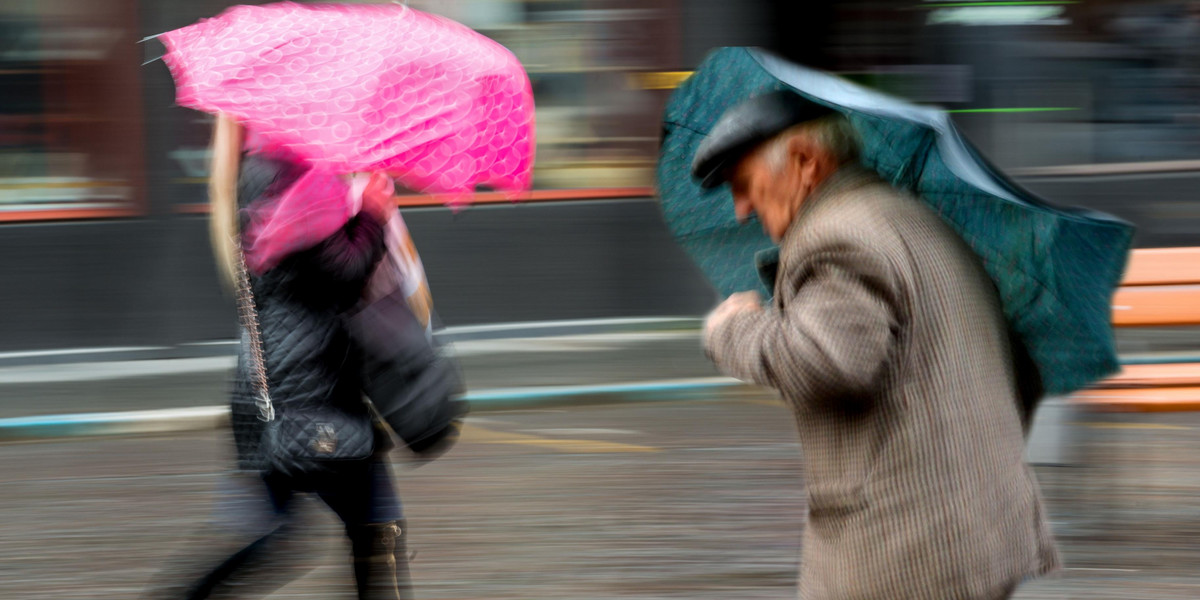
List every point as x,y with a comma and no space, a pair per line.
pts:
695,499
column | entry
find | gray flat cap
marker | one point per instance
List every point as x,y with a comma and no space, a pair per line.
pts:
745,126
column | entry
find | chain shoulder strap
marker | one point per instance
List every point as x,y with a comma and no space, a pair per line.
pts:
249,317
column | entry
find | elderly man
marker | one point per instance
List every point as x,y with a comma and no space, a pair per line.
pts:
886,338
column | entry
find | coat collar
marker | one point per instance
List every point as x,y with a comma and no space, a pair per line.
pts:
846,179
843,181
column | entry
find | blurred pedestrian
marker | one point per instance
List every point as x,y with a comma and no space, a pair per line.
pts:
309,362
886,338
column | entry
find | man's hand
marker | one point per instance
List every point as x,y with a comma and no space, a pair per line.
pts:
735,304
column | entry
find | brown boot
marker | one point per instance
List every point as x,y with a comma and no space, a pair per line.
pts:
381,562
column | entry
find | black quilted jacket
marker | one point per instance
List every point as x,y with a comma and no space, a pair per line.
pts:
306,347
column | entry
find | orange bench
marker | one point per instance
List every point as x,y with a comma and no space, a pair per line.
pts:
1161,288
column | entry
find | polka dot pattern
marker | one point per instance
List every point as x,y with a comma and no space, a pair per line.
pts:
355,88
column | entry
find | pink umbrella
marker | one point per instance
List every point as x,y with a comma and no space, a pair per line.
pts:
353,88
365,87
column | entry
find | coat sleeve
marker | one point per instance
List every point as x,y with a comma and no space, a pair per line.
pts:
831,340
351,253
247,428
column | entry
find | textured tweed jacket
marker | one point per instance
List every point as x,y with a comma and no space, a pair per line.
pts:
887,340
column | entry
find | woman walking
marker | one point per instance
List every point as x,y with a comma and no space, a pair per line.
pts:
324,94
309,361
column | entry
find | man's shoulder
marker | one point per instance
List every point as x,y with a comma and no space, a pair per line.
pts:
861,208
865,194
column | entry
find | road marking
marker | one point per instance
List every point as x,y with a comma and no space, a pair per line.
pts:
106,371
579,446
477,420
582,431
1133,426
524,399
632,387
527,326
74,351
168,420
130,416
600,342
480,435
599,331
777,403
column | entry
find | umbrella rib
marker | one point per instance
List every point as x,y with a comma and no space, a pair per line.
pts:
687,127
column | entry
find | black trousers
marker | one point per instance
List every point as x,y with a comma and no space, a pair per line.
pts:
257,540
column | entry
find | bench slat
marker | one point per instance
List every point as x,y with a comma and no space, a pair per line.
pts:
1179,399
1154,375
1163,266
1156,305
1161,287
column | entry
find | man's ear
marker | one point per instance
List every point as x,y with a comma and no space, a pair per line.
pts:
798,148
802,153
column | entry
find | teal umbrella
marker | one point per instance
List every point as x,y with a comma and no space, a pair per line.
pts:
1056,269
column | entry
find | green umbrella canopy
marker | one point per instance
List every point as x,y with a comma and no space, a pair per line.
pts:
1055,269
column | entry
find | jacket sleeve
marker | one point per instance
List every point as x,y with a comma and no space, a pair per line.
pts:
831,340
247,428
351,253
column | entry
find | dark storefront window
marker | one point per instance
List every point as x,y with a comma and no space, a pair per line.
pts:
70,109
1034,86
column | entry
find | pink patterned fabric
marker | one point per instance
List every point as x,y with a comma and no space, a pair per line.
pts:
353,88
308,211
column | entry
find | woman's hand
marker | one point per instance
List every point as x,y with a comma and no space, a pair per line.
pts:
378,198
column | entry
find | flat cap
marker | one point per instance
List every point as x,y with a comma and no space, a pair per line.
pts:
746,125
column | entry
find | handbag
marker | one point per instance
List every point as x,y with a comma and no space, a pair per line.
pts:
302,441
413,387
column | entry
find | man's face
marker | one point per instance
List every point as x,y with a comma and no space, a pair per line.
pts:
771,192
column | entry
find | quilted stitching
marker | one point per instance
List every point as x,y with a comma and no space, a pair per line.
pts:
311,370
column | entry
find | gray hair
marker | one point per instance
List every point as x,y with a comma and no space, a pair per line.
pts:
833,133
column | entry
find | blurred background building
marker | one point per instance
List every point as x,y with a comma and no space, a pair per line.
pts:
1095,103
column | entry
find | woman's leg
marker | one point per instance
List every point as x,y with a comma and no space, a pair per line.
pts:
367,503
250,548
